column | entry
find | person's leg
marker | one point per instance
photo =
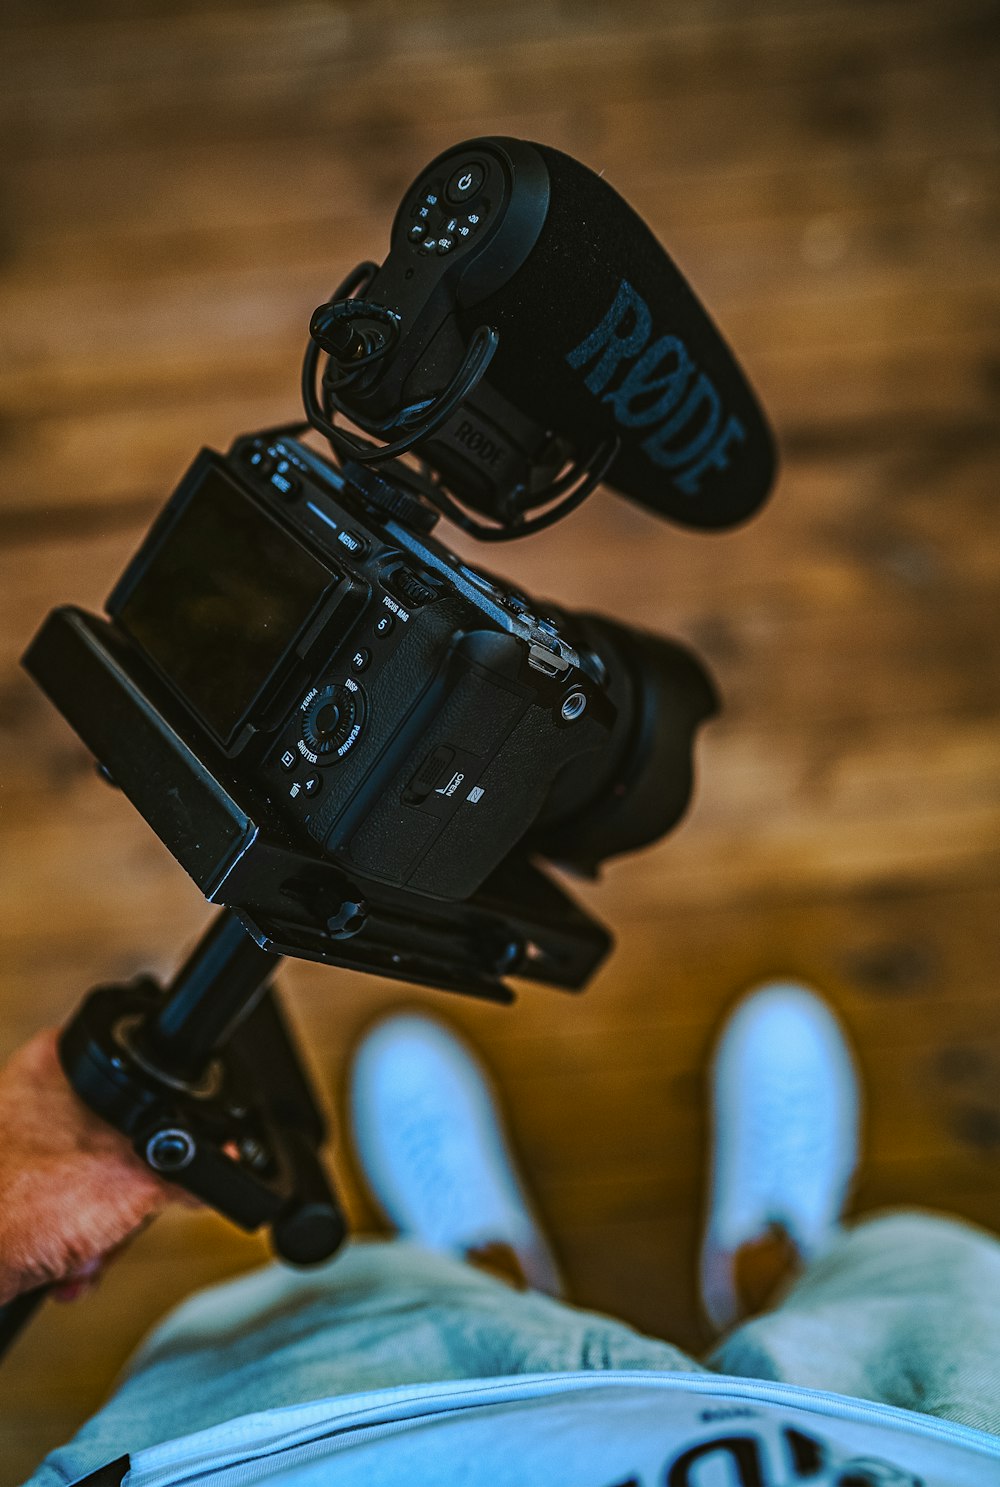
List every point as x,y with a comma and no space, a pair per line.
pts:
430,1138
382,1314
903,1309
785,1113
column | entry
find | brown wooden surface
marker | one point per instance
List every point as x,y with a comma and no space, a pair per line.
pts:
180,184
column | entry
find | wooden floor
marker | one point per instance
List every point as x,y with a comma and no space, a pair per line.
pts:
181,183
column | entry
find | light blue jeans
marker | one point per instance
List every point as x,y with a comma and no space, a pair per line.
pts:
903,1310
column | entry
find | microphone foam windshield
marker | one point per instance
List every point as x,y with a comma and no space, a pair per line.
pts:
600,335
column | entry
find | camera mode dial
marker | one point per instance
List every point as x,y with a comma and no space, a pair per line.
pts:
332,719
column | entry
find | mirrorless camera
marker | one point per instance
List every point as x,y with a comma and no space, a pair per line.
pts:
414,717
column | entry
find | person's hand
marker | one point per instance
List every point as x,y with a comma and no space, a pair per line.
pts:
71,1188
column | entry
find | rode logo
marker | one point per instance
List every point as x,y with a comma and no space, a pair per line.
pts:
486,450
660,388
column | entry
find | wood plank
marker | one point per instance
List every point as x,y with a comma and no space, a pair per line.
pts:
191,333
853,76
771,817
910,207
896,604
896,653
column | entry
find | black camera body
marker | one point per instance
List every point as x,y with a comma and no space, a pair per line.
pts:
402,710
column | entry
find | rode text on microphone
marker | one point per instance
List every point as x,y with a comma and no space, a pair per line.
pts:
527,336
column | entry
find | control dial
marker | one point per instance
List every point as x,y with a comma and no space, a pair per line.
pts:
332,719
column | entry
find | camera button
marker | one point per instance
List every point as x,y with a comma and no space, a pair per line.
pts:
311,784
360,659
288,760
384,625
287,485
260,461
354,542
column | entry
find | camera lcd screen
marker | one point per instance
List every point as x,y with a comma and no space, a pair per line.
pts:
225,594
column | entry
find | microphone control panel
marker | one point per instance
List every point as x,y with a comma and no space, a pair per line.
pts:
437,227
466,224
478,207
453,202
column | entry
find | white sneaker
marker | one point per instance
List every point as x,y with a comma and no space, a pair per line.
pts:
785,1108
429,1139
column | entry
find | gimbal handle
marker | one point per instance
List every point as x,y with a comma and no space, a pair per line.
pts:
205,1081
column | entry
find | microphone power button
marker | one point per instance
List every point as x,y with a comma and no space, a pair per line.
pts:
465,182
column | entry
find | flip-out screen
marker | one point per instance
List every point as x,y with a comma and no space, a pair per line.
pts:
225,594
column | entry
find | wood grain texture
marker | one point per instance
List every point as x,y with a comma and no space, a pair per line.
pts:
180,184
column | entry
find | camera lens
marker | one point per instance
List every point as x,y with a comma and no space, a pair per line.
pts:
661,695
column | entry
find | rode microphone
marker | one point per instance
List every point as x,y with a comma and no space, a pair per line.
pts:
527,336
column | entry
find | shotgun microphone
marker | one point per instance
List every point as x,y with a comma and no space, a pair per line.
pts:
526,318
